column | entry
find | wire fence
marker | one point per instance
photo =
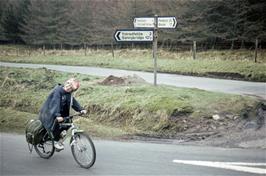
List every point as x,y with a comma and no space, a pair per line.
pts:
192,50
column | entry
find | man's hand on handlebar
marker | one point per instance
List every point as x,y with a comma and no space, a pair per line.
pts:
83,112
62,119
59,119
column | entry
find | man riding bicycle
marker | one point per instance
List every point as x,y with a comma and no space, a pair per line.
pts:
57,106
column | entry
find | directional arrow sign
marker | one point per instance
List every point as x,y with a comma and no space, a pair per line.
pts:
128,35
144,22
148,22
167,22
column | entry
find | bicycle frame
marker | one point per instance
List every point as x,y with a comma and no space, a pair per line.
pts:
71,131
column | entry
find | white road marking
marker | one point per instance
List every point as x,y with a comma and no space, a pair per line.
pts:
246,164
237,166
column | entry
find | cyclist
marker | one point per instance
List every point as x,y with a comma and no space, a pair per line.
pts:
57,106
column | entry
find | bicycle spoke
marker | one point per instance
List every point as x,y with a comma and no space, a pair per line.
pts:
83,151
46,148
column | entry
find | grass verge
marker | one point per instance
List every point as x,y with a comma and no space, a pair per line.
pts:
230,64
117,110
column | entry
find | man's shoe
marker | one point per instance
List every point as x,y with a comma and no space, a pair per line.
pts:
58,146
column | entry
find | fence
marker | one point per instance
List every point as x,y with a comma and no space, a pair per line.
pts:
249,50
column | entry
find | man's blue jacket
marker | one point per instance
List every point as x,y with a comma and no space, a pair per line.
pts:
57,105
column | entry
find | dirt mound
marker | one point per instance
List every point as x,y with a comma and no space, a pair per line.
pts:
112,80
127,80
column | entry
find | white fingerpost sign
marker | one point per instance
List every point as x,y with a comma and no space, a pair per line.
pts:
144,22
164,22
128,35
167,22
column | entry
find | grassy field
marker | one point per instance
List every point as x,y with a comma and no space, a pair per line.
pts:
230,64
117,110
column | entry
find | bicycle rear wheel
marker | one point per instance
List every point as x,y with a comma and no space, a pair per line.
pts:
83,150
46,147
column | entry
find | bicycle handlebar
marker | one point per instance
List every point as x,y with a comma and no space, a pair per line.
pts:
71,116
65,119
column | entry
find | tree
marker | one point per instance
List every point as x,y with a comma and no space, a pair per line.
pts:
45,22
256,20
83,22
34,27
62,8
88,22
11,19
193,25
2,35
78,22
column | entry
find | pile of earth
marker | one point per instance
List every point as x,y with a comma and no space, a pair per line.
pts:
126,80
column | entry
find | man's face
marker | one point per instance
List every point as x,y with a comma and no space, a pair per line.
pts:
73,90
71,85
70,89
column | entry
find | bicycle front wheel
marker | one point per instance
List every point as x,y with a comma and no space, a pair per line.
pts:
83,150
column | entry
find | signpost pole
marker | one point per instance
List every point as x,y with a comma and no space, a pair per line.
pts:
155,39
149,35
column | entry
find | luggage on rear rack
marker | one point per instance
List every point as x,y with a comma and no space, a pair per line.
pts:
34,132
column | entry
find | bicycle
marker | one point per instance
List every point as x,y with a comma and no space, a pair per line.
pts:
82,147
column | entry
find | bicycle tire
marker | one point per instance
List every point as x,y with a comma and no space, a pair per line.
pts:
40,150
82,144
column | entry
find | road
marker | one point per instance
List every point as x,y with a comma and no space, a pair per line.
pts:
133,158
257,89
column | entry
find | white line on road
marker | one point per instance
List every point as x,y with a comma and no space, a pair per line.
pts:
237,166
246,164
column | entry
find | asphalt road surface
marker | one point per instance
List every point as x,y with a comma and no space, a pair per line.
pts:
257,89
133,158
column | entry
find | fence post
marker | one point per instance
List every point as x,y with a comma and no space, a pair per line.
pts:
29,50
256,50
232,45
194,49
112,46
17,51
61,49
43,48
85,49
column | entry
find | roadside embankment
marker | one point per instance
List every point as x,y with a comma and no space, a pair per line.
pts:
127,107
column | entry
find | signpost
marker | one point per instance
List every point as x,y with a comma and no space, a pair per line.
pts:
154,51
148,22
149,35
133,35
